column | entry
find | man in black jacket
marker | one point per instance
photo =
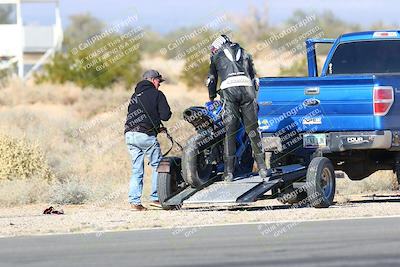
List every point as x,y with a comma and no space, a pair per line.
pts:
234,66
147,108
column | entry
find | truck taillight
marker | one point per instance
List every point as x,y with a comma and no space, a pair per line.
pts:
383,100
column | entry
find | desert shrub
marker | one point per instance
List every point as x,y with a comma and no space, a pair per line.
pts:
197,59
81,26
98,73
22,192
195,72
298,68
295,30
5,75
70,191
101,63
20,159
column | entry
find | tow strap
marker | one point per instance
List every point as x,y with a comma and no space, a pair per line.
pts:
173,142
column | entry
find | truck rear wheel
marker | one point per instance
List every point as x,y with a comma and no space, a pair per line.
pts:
321,184
278,160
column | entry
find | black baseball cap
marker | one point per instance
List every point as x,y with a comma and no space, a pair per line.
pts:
153,74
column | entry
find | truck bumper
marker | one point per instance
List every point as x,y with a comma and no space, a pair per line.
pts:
344,141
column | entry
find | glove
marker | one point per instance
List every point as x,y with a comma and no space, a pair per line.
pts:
162,130
256,83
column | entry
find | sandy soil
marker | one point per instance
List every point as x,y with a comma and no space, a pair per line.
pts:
28,220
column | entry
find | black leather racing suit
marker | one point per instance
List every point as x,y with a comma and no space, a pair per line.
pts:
235,68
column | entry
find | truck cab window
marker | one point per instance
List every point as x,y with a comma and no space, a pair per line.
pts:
380,56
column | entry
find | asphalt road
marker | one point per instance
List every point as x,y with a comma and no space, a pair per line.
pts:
366,242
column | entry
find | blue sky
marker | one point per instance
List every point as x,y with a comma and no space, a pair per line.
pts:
166,15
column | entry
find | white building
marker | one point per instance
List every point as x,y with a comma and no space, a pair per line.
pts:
28,46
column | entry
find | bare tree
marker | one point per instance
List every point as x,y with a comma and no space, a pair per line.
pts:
254,25
82,27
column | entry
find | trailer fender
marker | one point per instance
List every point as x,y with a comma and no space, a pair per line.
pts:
167,164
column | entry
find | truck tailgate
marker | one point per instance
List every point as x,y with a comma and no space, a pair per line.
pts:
318,104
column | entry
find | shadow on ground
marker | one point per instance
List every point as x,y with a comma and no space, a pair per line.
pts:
394,198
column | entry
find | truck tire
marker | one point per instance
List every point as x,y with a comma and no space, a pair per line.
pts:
281,159
277,160
197,167
321,184
167,186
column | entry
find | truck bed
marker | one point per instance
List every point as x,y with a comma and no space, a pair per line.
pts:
325,104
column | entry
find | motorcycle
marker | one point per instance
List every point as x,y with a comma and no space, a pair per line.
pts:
202,157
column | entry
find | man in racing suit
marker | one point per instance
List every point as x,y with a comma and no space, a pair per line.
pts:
235,68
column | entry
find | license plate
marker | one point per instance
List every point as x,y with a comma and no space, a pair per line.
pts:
314,140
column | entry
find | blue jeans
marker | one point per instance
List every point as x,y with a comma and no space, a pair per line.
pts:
139,145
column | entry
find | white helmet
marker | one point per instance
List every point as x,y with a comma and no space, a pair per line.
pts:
219,42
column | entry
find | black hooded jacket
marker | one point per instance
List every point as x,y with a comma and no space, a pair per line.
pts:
147,108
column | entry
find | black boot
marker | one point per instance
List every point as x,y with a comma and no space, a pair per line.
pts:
262,168
229,168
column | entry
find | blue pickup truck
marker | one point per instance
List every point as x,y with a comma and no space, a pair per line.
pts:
350,113
347,118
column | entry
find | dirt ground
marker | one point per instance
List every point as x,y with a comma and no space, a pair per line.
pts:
29,220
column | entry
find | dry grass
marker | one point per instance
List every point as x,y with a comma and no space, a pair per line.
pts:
70,191
169,68
379,182
80,132
21,192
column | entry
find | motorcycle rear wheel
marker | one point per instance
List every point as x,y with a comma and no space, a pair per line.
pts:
199,161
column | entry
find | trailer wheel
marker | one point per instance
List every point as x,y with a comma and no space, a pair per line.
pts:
167,186
321,184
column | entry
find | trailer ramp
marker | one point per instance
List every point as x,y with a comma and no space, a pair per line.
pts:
241,190
223,192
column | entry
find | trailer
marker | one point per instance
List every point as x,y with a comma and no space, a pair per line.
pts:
196,176
313,184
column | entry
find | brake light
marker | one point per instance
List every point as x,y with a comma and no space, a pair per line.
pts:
383,100
385,35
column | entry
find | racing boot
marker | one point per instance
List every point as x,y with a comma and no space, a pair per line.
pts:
229,168
262,168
